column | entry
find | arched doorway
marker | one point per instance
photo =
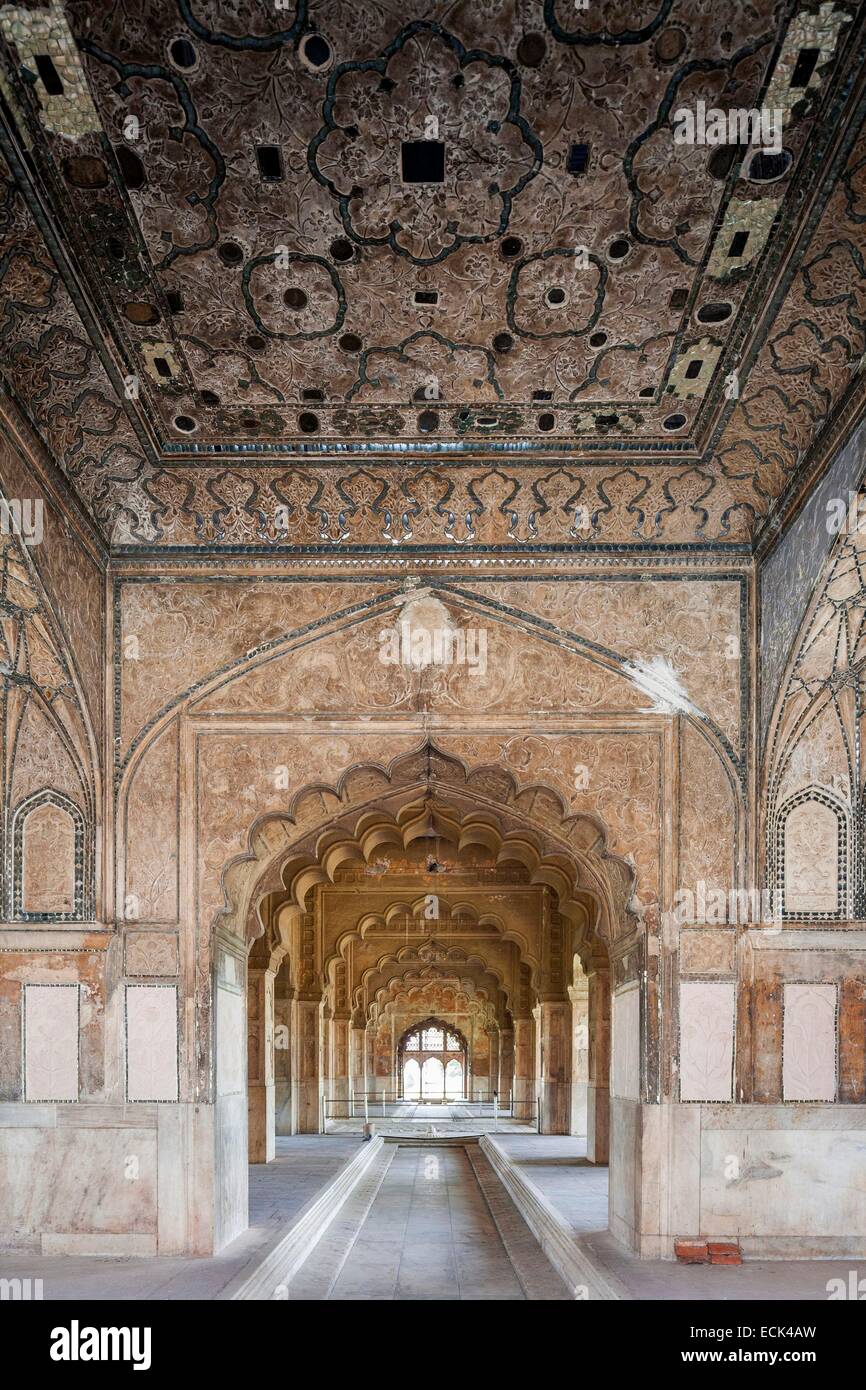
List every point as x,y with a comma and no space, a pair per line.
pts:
426,837
433,1060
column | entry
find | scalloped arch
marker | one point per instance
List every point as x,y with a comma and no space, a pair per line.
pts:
430,792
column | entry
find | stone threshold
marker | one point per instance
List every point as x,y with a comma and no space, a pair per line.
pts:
272,1269
570,1254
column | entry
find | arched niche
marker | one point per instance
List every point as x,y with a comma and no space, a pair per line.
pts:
812,857
47,879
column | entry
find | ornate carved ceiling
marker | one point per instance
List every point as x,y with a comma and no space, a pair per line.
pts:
434,273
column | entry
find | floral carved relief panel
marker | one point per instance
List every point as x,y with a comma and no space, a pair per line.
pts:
151,1043
811,858
48,861
706,1039
51,1042
809,1049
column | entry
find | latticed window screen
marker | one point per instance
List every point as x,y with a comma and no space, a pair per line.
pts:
433,1040
413,1044
452,1043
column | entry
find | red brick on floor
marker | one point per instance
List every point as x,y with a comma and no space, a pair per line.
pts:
724,1252
692,1252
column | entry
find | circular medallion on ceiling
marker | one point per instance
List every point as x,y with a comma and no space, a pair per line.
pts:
766,166
185,423
670,45
714,312
182,55
673,422
531,50
511,247
315,52
302,301
230,253
342,251
552,281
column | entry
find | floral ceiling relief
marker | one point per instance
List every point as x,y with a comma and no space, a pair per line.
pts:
436,242
441,111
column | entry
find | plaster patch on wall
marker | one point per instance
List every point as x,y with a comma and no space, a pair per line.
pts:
658,679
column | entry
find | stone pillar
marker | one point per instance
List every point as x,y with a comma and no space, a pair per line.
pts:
325,1065
493,1074
506,1065
357,1063
283,995
306,1050
524,1029
261,1130
579,996
555,1093
373,1086
339,1067
598,1089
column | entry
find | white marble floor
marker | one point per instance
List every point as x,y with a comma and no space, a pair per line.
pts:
430,1233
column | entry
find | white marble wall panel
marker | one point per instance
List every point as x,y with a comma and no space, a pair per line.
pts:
51,1042
809,1042
151,1042
625,1065
231,1041
707,1010
793,1184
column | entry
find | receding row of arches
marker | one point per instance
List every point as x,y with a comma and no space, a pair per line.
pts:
430,941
